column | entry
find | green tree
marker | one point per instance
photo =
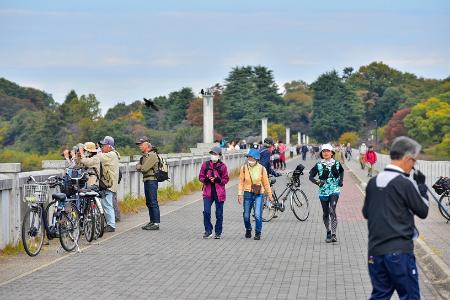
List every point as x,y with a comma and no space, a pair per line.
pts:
176,106
387,105
336,108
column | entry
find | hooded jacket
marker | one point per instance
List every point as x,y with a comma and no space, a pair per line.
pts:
218,170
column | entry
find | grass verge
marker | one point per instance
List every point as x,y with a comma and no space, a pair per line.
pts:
10,249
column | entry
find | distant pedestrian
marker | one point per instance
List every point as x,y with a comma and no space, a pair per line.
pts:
362,154
109,179
304,151
392,199
265,156
370,158
348,152
331,179
148,165
214,176
283,150
253,184
276,156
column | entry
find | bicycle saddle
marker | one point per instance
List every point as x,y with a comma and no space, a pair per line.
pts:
59,197
272,181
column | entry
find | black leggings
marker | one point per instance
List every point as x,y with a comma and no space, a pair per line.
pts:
329,212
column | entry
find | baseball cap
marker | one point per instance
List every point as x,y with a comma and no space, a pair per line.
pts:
216,150
142,139
108,140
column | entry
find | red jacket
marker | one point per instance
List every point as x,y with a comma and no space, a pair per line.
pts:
370,157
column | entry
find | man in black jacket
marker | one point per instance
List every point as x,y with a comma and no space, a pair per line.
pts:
392,199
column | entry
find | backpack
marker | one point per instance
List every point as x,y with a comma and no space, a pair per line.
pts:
324,173
105,180
162,170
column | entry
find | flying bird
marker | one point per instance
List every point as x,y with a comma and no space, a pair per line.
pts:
151,104
202,92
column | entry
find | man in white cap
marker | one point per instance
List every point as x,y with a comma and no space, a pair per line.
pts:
109,179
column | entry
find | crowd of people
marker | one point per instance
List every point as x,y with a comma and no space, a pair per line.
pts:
391,200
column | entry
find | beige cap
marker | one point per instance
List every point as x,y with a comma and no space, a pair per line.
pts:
90,146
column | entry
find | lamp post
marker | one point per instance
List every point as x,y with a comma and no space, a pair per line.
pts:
376,134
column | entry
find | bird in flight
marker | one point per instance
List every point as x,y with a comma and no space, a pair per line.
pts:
151,104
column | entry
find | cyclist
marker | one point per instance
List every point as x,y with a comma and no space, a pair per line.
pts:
331,176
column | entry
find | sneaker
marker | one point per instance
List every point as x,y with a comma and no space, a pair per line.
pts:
146,226
153,227
333,238
207,235
248,234
109,228
328,239
217,237
257,236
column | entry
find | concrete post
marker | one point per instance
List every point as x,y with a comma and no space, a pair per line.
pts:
208,118
299,138
263,128
288,137
304,139
307,139
12,170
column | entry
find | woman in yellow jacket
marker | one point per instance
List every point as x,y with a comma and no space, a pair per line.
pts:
253,183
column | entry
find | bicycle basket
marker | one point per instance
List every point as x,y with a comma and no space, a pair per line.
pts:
442,185
35,193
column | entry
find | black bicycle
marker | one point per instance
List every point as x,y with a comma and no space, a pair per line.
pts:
59,218
297,199
442,187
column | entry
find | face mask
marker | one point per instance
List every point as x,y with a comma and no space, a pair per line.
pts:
252,163
214,158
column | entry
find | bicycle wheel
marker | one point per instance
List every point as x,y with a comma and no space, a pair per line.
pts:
445,202
299,205
69,227
268,210
89,223
33,231
102,222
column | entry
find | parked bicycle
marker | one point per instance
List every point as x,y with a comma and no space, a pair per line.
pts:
297,198
442,187
59,218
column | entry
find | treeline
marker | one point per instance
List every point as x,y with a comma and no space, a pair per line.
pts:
344,106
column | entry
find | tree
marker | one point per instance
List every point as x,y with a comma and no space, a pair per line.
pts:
177,104
336,108
429,121
349,137
276,131
389,103
396,127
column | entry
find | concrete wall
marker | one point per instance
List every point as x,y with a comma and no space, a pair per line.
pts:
183,168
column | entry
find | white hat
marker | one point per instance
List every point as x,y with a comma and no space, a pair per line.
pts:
326,147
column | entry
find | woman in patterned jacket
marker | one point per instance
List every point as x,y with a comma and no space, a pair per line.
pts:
331,177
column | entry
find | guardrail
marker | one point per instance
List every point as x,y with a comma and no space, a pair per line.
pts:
183,168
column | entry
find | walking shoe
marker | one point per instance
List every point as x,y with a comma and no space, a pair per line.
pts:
257,236
109,228
207,235
217,237
153,227
328,239
146,226
333,238
248,233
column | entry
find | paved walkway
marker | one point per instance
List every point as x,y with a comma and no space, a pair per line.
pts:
434,230
292,261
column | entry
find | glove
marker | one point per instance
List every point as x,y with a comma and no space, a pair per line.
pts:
217,180
419,177
320,183
340,183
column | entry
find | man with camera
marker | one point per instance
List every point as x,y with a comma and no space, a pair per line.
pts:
147,166
392,199
109,179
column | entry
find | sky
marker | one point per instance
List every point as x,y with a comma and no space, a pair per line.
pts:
122,51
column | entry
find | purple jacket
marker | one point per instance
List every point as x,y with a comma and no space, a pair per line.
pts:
218,170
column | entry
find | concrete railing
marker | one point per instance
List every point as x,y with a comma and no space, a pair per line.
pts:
432,169
183,168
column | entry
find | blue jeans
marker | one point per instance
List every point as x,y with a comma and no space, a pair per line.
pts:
107,203
151,200
394,271
207,216
249,200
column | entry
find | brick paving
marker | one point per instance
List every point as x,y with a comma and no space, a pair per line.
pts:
291,261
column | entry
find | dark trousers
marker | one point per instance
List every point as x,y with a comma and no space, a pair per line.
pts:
207,203
151,200
329,204
394,272
304,155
